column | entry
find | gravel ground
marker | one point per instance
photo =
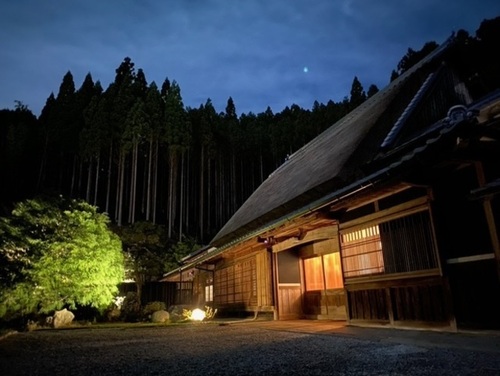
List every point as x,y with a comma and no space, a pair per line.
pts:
211,349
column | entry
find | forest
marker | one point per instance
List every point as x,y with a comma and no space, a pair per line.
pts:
137,153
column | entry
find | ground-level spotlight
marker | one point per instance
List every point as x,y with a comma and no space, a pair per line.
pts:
197,315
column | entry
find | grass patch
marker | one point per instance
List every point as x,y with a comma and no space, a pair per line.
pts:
76,325
116,325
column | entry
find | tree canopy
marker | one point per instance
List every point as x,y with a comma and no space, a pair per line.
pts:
57,253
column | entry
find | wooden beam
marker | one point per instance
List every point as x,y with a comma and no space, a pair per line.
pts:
321,233
299,227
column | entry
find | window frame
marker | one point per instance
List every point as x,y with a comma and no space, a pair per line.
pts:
321,266
418,205
209,293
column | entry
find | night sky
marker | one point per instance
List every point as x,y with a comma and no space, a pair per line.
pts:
260,52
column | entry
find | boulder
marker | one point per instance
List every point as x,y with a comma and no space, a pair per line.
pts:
160,316
62,318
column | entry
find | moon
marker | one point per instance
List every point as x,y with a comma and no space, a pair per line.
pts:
306,69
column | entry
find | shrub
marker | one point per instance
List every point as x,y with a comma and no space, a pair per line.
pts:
177,312
152,307
131,308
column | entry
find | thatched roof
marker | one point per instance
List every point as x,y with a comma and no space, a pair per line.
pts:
335,158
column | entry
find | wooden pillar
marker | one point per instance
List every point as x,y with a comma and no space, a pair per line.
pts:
274,268
490,218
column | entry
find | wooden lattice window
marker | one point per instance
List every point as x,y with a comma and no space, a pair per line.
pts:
209,290
400,245
408,244
362,252
236,283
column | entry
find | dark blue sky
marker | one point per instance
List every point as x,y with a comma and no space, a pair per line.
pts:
259,52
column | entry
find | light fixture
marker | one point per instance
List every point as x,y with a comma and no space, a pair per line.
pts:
197,315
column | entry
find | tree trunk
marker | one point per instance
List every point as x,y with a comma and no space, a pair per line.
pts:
80,177
133,183
73,178
181,198
202,188
108,188
242,183
188,191
121,169
133,195
218,192
97,173
139,283
144,188
61,171
172,191
252,180
148,189
155,180
210,198
261,168
232,192
89,180
117,194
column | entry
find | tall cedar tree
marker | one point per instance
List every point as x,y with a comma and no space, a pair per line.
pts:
358,94
178,138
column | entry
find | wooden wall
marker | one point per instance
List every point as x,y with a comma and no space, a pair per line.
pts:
414,302
325,304
264,281
244,284
289,301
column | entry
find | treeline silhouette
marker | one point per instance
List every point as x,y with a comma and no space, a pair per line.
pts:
135,151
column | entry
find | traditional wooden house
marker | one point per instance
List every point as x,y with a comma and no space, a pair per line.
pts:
390,217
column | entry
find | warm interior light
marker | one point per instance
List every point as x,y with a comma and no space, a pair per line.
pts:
197,315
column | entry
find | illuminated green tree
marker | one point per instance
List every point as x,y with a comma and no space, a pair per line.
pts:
57,253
